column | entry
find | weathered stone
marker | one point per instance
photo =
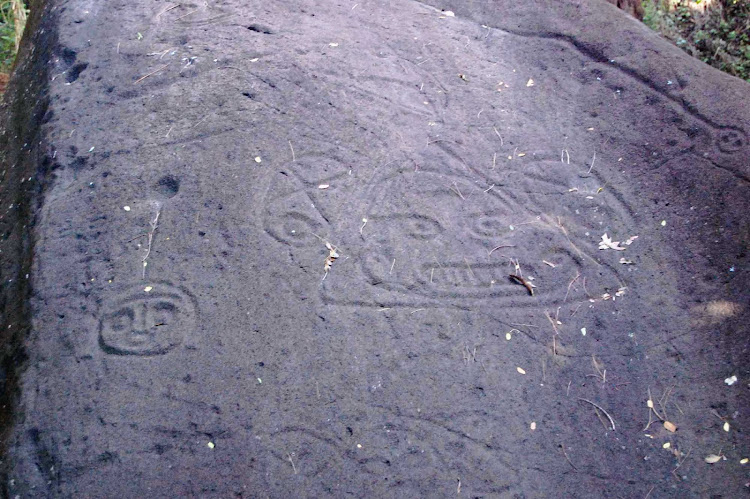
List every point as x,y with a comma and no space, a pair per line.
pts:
331,199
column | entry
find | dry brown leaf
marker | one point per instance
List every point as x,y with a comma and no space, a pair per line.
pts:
712,458
607,243
670,426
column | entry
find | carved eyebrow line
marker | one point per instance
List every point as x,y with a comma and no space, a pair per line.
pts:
151,297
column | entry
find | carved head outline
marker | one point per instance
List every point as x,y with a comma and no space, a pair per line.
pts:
146,323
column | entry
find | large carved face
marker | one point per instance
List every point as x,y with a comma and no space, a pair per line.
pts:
446,236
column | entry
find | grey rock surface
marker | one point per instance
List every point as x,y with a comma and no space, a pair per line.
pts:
311,249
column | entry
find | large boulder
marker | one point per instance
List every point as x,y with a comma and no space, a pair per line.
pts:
376,249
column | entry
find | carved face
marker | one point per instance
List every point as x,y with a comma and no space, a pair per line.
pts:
438,236
146,323
448,236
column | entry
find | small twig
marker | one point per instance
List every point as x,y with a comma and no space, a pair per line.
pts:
679,463
145,234
166,10
599,373
289,457
520,280
498,134
565,233
201,120
516,266
663,402
649,491
566,154
603,421
678,407
292,148
154,225
612,421
150,74
592,163
578,274
551,321
501,246
469,266
567,458
392,265
457,191
651,410
189,13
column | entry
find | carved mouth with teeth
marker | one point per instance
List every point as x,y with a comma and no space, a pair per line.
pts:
452,279
463,276
549,271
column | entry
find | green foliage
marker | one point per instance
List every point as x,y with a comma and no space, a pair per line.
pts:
7,37
715,31
13,15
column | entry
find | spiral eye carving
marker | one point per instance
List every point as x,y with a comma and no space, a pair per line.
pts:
421,227
489,226
293,228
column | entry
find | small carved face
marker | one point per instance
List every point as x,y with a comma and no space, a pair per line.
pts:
146,323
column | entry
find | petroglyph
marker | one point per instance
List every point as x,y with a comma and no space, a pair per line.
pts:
146,320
